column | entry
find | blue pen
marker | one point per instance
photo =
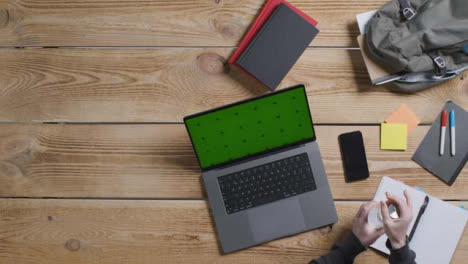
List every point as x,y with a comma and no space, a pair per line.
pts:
452,132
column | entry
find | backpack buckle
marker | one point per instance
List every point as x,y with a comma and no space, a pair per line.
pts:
441,69
409,13
439,62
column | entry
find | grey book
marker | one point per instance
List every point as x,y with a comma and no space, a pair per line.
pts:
446,167
277,46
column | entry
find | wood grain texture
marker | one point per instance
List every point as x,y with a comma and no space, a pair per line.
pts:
93,231
157,161
163,85
162,22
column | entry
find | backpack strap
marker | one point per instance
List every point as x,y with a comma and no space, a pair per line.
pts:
439,63
406,9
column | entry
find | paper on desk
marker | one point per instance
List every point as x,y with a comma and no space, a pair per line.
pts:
393,136
403,115
363,18
377,73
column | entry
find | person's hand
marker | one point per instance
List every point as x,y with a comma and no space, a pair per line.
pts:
365,232
396,228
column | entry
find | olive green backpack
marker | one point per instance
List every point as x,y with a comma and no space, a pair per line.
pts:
424,41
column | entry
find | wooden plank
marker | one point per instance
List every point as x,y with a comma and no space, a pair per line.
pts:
157,161
101,85
105,231
162,22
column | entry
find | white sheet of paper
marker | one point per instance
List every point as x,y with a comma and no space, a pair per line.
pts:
363,18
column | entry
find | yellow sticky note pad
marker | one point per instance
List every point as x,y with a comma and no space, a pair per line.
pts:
393,136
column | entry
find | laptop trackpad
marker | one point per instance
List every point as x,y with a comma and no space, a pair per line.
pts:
276,219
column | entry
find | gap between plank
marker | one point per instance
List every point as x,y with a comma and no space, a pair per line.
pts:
163,123
102,198
159,47
162,199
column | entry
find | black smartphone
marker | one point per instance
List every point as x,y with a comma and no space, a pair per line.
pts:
354,156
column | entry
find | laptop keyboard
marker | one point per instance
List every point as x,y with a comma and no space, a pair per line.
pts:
266,183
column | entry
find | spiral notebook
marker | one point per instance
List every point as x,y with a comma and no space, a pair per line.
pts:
439,229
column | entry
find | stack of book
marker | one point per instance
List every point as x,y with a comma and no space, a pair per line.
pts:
274,42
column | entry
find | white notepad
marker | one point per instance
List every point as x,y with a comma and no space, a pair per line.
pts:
439,230
362,20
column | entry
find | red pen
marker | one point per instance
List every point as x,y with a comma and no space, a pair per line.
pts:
443,126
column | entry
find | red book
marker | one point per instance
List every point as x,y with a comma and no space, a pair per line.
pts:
270,6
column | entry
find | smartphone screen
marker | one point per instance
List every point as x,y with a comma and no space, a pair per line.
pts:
354,156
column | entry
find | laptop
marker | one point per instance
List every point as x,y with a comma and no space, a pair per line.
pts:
262,169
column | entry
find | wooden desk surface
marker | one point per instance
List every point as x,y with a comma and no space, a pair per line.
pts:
95,164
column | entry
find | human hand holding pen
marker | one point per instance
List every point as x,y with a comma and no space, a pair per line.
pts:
396,228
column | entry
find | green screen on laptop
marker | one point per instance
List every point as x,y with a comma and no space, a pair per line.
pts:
250,127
